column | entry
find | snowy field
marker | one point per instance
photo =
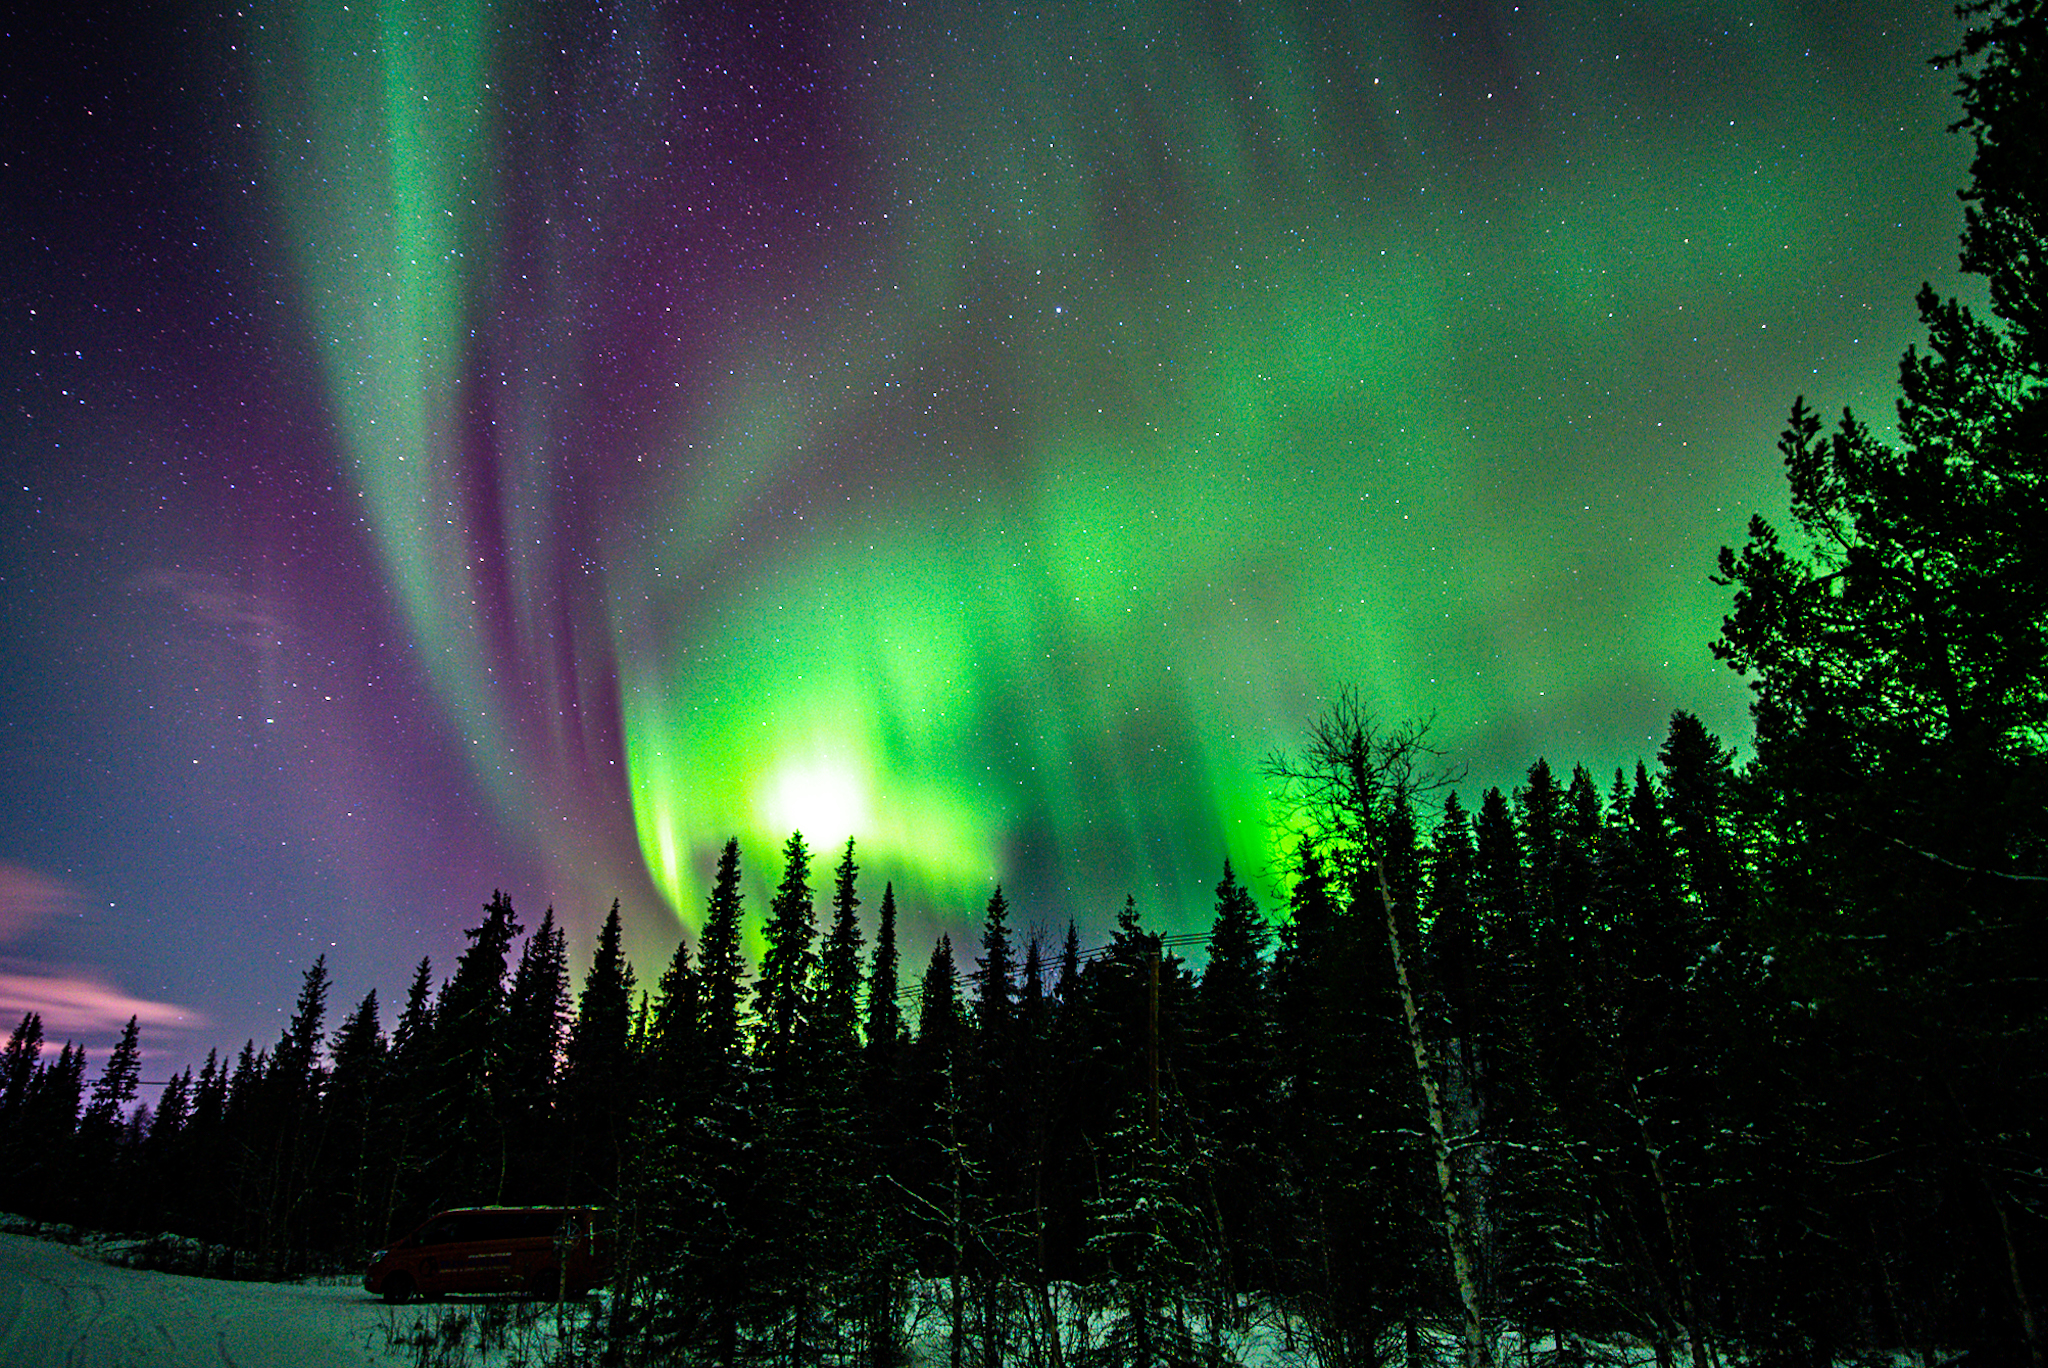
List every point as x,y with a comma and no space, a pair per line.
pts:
59,1308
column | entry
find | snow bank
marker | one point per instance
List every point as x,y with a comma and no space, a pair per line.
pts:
60,1309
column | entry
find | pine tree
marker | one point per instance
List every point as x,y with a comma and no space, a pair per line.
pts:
116,1087
597,1080
282,1127
47,1131
18,1065
1234,1077
102,1161
719,962
839,972
534,1035
995,1133
788,964
354,1100
937,1181
1895,646
411,1106
885,1032
467,1044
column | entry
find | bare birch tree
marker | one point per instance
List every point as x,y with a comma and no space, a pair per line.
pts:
1340,789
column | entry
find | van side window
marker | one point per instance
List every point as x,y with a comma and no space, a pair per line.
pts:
447,1230
495,1225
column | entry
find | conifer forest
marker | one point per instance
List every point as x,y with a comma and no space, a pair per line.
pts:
1739,1057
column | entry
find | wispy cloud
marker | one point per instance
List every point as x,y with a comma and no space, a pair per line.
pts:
214,600
74,1003
29,899
84,1007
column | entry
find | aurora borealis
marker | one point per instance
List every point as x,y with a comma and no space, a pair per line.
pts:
460,445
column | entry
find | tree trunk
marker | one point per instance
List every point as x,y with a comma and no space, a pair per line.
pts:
1674,1231
2028,1325
1478,1346
957,1338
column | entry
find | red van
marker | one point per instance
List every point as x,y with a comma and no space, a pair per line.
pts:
543,1251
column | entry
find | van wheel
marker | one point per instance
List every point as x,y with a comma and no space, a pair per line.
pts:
544,1284
398,1289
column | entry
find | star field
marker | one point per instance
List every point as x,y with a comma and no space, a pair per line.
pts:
456,445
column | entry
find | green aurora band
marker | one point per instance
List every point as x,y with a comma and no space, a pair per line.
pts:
991,436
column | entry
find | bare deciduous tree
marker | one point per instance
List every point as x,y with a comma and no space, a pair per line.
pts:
1350,776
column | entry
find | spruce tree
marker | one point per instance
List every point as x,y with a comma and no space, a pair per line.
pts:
1148,1229
1032,1078
116,1087
598,1077
537,1018
411,1106
937,1170
800,1209
1895,643
995,1135
18,1065
782,994
287,1126
720,966
885,1265
1659,1107
467,1046
1066,985
1234,1080
354,1101
1452,952
885,1032
839,972
48,1133
103,1129
676,1035
166,1130
197,1205
711,1201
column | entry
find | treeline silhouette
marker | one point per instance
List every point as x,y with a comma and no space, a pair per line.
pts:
1655,1136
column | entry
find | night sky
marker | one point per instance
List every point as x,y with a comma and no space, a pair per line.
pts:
452,446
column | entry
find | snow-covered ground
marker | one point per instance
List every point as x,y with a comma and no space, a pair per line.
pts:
60,1308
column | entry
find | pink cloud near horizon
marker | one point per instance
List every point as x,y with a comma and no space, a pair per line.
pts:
73,1004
